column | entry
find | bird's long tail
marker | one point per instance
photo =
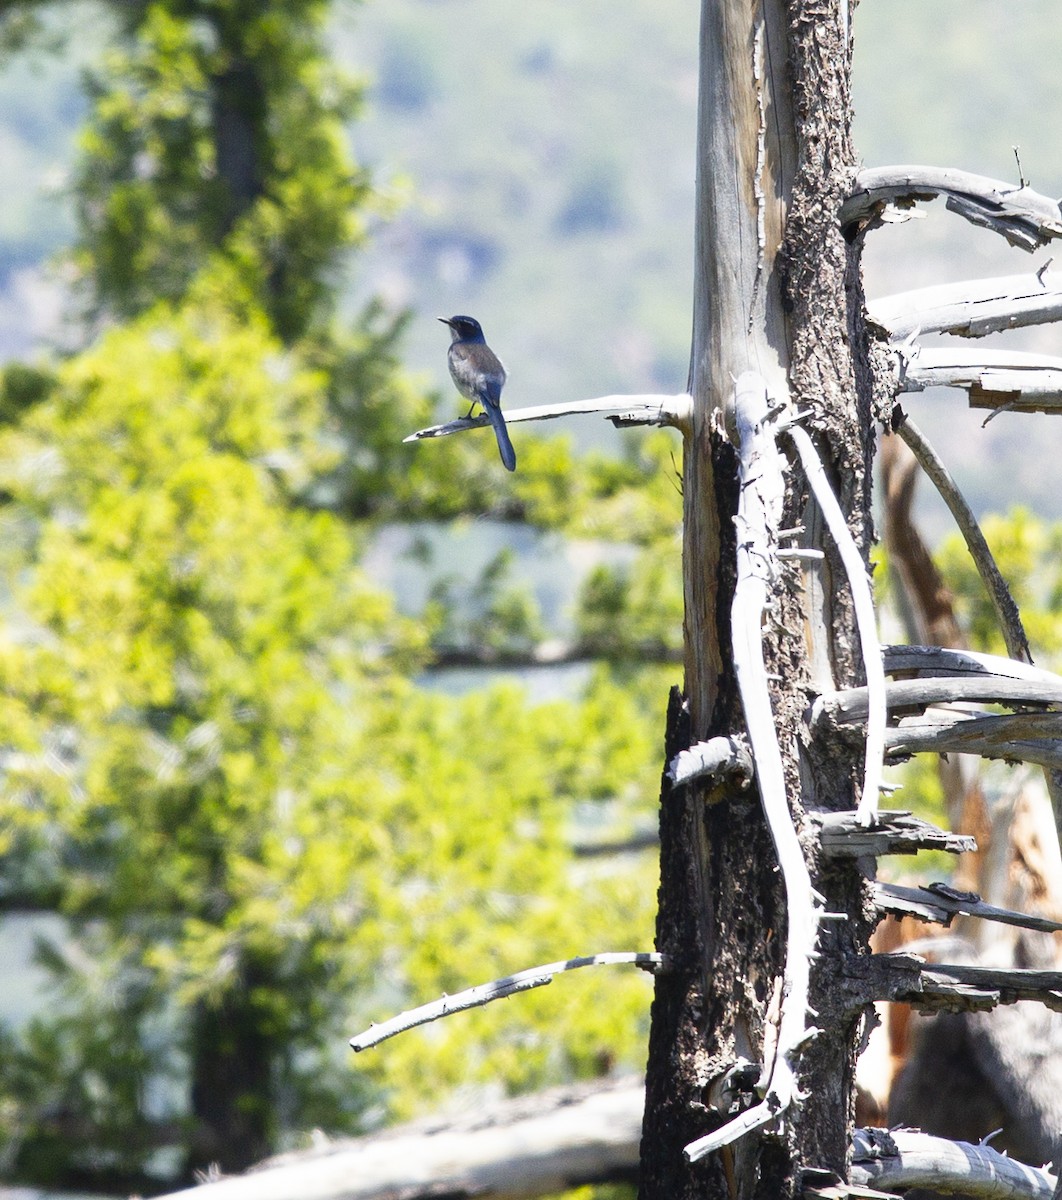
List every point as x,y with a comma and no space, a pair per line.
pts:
501,432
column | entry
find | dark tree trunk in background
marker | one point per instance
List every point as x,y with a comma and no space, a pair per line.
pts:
232,1087
777,291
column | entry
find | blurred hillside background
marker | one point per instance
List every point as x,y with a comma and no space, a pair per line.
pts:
533,165
530,151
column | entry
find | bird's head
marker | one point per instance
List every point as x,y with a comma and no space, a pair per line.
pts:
464,329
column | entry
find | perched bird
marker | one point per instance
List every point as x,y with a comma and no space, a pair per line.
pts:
479,377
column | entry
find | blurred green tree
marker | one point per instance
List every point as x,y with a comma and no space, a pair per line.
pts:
216,769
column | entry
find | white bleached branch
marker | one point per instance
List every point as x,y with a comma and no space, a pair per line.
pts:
941,661
971,309
1010,379
620,410
497,989
719,756
1024,217
866,623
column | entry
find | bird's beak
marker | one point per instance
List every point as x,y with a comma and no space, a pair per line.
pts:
444,320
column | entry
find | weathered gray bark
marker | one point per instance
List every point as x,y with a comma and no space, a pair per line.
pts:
776,292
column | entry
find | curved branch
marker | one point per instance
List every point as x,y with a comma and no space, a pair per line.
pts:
1002,601
1024,217
863,604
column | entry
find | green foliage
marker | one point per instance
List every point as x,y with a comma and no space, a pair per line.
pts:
258,833
631,611
490,613
217,129
216,765
1028,552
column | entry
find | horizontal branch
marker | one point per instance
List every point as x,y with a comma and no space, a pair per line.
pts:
676,411
496,989
1024,217
507,1150
645,839
971,309
899,1159
959,987
552,653
940,903
850,704
993,378
953,987
842,835
943,662
1014,737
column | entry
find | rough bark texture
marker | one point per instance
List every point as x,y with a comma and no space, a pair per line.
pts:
775,164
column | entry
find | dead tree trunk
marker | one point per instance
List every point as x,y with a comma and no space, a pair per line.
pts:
777,293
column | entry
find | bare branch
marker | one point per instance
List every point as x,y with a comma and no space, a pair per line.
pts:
940,903
841,835
1018,737
971,309
497,989
1006,610
850,704
996,379
620,410
1024,217
941,661
553,653
719,756
863,604
507,1150
900,1159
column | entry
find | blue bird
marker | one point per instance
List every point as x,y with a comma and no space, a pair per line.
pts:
479,376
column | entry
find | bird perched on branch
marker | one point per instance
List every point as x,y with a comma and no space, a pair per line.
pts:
479,377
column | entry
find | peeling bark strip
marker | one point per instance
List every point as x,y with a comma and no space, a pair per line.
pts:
762,491
1025,218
